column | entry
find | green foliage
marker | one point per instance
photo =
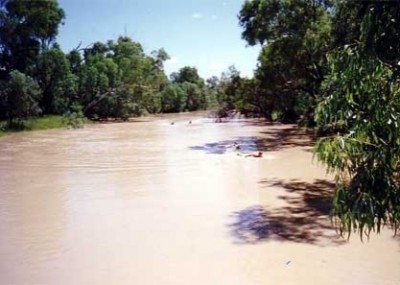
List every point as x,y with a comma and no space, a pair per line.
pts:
152,103
173,99
75,60
122,69
131,60
358,93
266,21
371,25
292,62
96,76
112,79
195,99
20,97
232,91
44,123
227,88
188,74
74,118
52,71
65,94
159,56
362,108
247,100
187,92
26,27
211,99
32,124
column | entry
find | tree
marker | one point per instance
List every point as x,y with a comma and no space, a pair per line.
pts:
142,74
130,58
75,60
371,25
364,109
25,28
152,103
173,99
248,98
98,75
195,99
159,56
21,96
97,48
118,79
360,117
66,94
196,94
51,70
295,37
188,74
213,83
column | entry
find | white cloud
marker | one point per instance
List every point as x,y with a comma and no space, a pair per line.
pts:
197,16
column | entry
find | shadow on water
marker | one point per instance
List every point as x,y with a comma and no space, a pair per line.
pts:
260,122
247,144
273,139
292,136
303,219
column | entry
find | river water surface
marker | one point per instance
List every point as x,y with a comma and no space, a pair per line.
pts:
150,202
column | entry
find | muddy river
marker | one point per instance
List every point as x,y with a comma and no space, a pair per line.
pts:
154,203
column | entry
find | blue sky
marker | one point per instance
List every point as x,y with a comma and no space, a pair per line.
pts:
201,33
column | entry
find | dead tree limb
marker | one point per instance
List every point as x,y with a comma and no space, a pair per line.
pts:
98,100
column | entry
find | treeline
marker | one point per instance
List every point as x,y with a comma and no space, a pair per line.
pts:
113,79
335,65
116,79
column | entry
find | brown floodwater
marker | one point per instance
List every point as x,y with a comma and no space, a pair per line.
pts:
148,202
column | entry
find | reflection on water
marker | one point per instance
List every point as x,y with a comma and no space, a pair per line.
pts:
152,202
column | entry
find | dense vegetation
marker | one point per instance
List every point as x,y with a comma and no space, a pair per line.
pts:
116,79
332,65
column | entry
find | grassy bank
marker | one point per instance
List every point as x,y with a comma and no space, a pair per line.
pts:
37,123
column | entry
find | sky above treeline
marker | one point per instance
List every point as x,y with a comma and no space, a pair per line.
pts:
200,33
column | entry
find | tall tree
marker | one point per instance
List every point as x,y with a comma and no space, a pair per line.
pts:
295,36
21,95
25,28
50,70
188,74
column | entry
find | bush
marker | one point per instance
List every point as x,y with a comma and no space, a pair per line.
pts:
74,118
22,94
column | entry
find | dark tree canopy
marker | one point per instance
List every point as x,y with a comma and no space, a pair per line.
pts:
371,25
295,36
265,21
187,74
25,28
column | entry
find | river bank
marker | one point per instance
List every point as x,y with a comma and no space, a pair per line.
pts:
42,123
160,203
48,122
